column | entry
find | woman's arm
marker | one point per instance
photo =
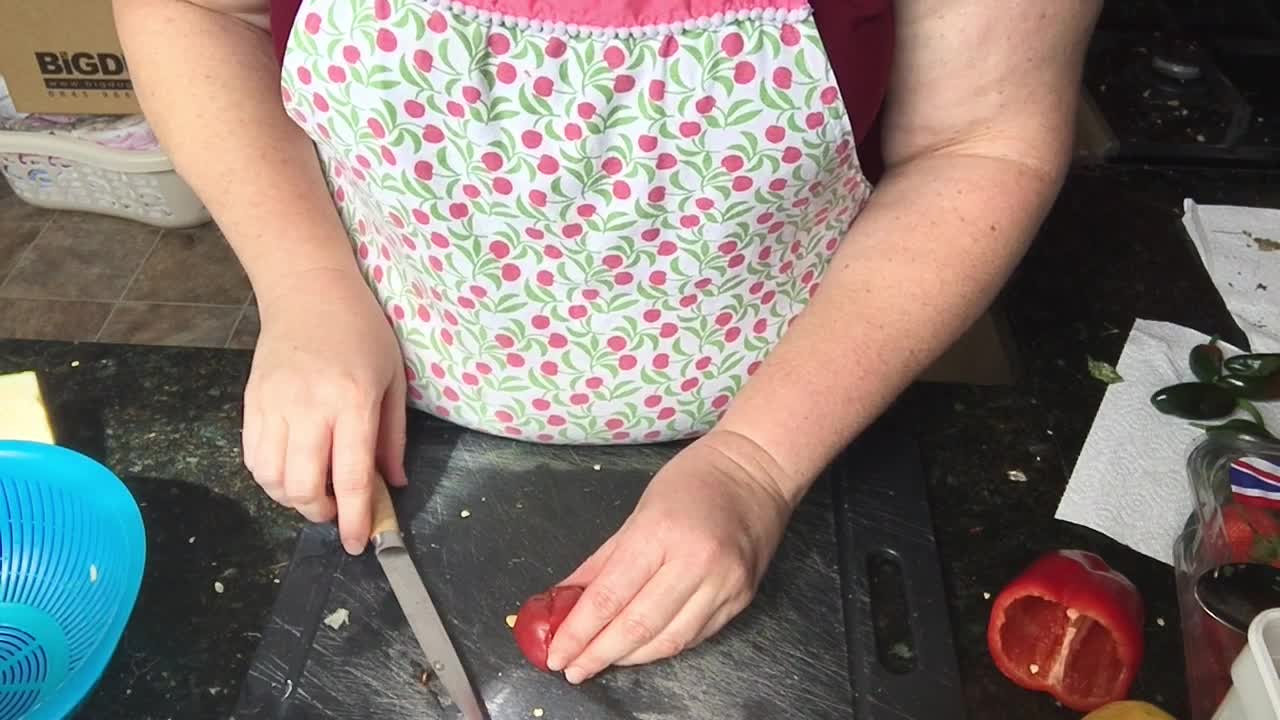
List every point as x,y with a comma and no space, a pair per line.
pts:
977,135
210,86
324,399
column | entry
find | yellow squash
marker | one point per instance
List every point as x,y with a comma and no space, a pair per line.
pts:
1128,710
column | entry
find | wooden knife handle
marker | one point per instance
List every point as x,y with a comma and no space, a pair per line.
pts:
384,512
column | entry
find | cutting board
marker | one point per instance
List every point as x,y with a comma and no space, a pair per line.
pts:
532,513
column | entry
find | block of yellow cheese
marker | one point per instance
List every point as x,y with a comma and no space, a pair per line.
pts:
22,413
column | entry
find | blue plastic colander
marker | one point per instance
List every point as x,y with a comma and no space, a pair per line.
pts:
72,547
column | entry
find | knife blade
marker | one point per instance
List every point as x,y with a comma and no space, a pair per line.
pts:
419,610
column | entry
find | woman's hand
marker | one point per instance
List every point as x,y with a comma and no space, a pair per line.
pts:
325,401
685,563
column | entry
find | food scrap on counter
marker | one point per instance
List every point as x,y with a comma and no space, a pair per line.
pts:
336,619
1104,372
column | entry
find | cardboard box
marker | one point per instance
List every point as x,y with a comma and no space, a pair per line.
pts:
982,356
64,57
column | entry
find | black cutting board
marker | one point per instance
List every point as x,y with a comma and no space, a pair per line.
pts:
804,649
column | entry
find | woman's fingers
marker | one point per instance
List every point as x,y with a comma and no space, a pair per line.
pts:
294,463
721,617
644,622
392,436
268,457
612,590
306,469
303,447
683,632
354,439
324,405
249,434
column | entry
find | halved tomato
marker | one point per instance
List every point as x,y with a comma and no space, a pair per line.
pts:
539,618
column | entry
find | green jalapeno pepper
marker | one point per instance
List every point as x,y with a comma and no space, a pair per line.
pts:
1252,410
1252,387
1194,401
1260,365
1239,429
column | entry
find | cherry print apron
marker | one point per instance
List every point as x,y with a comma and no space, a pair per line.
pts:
588,222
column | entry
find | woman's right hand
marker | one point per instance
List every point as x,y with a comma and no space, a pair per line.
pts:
326,396
325,400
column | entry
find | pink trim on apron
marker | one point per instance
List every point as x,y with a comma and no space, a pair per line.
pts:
628,14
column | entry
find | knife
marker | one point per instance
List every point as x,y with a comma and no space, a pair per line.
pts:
424,619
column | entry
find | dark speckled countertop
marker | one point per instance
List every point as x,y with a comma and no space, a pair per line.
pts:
167,420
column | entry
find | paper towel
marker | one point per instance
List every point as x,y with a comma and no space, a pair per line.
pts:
1130,482
1240,247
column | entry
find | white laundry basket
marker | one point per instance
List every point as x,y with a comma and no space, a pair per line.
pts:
68,173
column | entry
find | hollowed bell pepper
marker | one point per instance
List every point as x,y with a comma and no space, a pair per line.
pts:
1069,626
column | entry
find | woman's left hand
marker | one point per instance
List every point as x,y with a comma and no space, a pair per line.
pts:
685,563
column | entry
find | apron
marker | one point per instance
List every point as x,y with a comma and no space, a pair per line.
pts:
587,222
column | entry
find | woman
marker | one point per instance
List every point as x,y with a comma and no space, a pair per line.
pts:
593,222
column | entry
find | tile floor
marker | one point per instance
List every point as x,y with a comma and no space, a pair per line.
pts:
74,276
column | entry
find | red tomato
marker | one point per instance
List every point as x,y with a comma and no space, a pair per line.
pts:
539,618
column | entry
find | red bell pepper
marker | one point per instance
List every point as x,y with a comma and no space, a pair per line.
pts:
1069,626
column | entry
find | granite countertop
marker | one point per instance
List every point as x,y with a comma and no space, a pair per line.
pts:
167,420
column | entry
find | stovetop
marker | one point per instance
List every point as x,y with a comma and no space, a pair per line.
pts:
1188,81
